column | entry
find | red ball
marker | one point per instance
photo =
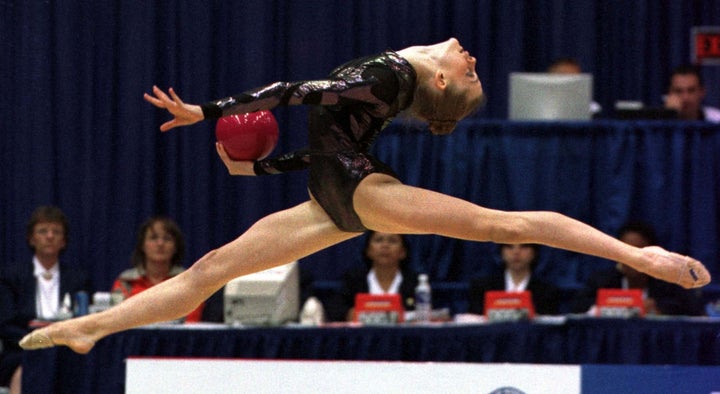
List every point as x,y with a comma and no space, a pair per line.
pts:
250,136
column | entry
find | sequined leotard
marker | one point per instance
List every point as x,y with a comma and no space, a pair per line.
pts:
350,108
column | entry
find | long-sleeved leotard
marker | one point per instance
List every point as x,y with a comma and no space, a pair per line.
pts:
350,108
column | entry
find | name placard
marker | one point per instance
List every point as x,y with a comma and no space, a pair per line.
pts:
620,303
378,309
508,306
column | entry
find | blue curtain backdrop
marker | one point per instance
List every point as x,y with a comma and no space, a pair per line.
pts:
76,132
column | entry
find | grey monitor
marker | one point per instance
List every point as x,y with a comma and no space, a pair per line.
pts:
546,96
269,297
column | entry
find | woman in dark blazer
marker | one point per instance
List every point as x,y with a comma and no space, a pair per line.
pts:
34,289
385,272
519,261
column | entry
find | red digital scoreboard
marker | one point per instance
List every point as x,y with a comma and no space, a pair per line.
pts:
705,44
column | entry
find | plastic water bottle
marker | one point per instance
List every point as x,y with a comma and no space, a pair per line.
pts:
423,299
82,301
65,311
116,297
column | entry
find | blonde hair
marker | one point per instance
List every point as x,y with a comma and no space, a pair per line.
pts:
443,109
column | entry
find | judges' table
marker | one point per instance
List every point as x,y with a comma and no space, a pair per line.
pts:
571,341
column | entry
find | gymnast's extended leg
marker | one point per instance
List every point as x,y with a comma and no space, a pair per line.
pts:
384,204
277,239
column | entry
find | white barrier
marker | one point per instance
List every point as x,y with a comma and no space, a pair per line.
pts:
187,375
182,375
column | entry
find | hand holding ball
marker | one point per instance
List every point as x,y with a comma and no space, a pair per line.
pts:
250,136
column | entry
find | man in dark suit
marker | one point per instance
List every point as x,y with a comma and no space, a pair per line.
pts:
34,290
660,298
519,261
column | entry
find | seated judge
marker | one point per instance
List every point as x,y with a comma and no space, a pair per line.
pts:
385,272
34,289
158,256
686,95
659,298
519,261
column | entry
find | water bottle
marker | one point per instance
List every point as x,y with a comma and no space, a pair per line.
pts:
82,302
423,299
116,297
65,311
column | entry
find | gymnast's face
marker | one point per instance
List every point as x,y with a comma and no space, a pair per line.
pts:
458,66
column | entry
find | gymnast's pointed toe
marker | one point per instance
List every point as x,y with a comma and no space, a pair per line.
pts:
694,274
36,340
675,268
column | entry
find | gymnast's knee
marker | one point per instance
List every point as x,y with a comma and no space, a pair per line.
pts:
511,227
206,271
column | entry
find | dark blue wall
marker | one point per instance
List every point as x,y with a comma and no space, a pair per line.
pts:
76,132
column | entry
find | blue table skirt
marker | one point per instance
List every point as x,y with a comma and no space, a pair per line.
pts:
575,341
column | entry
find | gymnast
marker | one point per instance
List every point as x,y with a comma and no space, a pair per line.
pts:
350,190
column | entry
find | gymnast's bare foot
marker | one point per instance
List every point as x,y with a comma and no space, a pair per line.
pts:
58,334
676,268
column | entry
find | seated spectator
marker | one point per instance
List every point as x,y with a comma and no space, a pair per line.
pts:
519,261
660,298
158,255
385,272
564,65
35,289
685,94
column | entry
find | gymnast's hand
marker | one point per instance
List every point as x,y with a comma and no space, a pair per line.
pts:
242,167
185,114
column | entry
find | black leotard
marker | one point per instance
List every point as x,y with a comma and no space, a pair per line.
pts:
350,108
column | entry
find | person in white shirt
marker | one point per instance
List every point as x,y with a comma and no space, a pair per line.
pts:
385,271
33,291
519,261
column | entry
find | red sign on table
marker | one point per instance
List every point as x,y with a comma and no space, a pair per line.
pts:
378,309
508,306
620,303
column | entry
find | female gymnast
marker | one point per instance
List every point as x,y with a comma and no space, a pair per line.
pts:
351,191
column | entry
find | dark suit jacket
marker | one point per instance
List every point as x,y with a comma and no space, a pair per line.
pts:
355,282
545,297
670,299
17,297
